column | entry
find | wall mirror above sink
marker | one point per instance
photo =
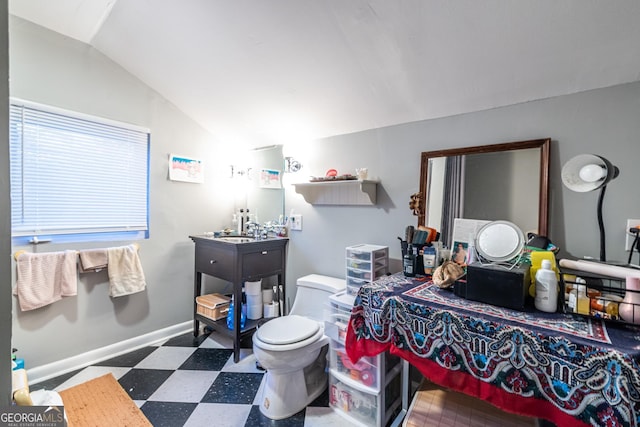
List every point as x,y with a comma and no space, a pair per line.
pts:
506,181
267,203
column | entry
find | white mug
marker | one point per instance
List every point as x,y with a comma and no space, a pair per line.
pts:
361,173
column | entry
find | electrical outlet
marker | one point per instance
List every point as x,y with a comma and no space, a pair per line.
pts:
296,222
630,237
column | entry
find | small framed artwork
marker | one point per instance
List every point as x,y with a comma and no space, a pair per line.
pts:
270,178
185,169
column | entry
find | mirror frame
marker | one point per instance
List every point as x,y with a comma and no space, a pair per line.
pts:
543,144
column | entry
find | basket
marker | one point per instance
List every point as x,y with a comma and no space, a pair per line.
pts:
604,297
213,306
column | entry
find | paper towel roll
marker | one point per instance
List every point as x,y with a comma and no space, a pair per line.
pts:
599,268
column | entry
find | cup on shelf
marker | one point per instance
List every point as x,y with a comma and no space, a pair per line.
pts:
362,173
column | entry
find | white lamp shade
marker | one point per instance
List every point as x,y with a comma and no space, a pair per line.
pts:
587,172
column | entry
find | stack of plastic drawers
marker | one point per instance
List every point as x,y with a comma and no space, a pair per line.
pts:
369,392
365,263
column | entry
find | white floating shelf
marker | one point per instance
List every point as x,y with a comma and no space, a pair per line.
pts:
347,192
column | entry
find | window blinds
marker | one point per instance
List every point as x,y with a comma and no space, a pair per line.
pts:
75,175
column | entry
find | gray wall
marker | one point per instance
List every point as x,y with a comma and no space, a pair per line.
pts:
50,69
603,121
5,214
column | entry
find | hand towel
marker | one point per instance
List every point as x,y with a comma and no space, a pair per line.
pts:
125,271
93,260
45,278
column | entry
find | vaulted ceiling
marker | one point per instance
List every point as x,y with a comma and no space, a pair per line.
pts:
292,70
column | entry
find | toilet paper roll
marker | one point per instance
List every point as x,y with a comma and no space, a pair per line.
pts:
267,296
272,309
255,300
253,288
254,312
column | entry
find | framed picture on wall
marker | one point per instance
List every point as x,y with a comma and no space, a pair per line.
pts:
185,169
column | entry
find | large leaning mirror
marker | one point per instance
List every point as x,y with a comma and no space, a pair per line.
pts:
508,181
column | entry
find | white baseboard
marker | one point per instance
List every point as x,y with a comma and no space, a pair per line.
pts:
51,370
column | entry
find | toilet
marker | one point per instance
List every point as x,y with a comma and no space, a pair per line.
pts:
293,349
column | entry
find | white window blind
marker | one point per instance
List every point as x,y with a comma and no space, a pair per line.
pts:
73,175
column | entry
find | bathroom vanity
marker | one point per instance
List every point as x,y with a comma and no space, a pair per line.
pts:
236,259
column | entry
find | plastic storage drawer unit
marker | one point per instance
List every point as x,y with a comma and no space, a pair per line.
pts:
365,263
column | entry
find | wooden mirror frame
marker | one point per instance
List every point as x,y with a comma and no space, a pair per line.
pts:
543,144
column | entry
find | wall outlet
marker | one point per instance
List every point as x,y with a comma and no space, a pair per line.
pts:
296,222
630,237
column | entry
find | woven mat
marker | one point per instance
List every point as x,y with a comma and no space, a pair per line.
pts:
101,402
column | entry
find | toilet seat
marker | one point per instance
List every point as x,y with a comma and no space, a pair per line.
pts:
287,330
288,333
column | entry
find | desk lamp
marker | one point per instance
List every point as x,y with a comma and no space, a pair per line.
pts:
588,172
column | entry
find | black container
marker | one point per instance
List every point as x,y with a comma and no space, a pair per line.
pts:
496,285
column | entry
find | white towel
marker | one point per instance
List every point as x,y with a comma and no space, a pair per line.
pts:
93,260
125,271
45,278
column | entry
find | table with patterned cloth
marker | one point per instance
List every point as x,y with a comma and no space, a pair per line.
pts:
570,370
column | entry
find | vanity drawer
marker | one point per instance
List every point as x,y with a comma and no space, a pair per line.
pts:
215,262
262,263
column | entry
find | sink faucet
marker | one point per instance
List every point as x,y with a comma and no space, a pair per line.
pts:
252,228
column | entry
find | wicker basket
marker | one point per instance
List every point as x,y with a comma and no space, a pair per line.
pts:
213,306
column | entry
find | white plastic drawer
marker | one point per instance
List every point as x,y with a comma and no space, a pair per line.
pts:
358,274
361,406
358,263
364,372
336,319
357,254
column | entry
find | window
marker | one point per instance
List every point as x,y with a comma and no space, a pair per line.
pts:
75,177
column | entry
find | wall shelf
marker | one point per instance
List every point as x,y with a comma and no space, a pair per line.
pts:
348,192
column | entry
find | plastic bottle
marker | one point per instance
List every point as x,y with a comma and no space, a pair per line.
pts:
579,302
409,262
230,317
429,259
546,288
584,302
536,262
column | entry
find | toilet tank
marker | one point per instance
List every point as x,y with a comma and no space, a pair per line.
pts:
312,294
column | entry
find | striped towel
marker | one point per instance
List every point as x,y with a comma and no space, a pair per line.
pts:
45,278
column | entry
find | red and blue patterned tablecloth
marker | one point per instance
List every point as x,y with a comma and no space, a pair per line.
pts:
568,370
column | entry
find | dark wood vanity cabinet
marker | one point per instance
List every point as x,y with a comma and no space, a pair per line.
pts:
236,260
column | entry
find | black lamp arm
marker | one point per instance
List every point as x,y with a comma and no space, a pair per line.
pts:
603,255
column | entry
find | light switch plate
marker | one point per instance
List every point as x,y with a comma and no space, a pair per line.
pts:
296,222
630,237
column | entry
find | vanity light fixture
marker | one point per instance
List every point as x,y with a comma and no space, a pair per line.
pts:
588,172
237,172
291,165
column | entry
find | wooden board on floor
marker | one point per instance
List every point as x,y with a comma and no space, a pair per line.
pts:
434,406
101,402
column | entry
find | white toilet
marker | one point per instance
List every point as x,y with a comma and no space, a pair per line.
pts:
293,349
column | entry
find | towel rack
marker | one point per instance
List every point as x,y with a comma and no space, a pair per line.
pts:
17,254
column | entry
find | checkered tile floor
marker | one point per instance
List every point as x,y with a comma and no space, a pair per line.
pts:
189,381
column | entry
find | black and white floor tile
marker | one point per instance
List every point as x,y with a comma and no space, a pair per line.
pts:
194,382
